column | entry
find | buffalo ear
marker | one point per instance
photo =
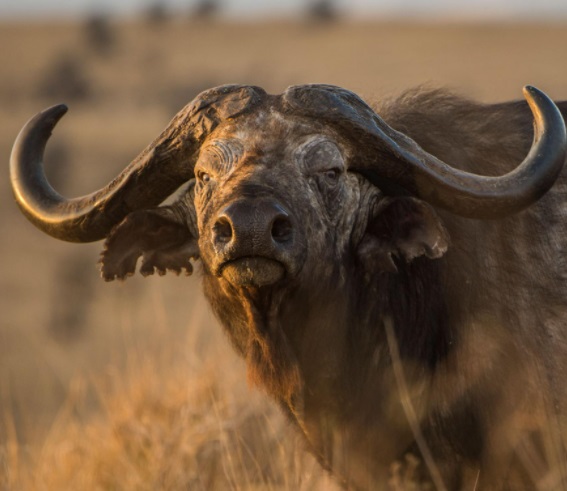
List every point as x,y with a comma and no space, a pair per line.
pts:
158,235
406,228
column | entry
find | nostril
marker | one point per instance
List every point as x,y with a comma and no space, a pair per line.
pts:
281,229
222,230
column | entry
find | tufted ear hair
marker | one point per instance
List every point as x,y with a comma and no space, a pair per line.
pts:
405,228
165,237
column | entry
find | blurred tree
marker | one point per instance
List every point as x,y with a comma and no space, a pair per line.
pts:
71,297
99,34
322,11
157,13
205,9
65,79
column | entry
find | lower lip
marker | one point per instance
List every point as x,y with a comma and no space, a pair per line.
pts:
253,271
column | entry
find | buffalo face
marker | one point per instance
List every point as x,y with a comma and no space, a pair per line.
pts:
271,194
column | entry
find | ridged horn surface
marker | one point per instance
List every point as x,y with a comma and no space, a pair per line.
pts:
157,172
396,163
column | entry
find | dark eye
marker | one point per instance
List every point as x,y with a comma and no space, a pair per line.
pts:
332,175
203,176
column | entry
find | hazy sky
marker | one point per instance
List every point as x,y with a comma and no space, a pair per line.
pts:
511,9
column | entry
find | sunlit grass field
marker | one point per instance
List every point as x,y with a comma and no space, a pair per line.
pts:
133,386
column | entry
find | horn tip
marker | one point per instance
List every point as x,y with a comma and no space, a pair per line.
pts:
45,120
56,112
537,100
529,90
530,93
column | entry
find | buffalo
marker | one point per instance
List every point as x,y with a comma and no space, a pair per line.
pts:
394,277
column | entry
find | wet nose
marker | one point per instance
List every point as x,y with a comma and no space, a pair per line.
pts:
256,228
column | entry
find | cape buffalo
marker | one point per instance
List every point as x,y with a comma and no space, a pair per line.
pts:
396,282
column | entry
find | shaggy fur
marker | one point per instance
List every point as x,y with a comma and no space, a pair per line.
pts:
395,328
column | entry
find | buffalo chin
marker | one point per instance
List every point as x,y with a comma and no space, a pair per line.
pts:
253,271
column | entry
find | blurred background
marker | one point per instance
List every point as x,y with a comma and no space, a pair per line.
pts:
132,385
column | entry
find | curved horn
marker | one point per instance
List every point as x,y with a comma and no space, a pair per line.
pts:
156,173
427,177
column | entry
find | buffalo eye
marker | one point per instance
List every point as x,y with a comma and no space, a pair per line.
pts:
203,177
332,176
323,158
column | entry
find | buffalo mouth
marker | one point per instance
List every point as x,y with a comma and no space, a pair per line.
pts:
253,271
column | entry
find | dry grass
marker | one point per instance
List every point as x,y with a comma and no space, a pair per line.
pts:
177,414
107,386
166,428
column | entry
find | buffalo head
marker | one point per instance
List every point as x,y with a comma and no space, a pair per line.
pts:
316,224
277,182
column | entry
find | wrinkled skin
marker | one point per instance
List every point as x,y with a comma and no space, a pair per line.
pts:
380,325
305,172
293,323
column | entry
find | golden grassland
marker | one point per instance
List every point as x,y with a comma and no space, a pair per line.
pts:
133,386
